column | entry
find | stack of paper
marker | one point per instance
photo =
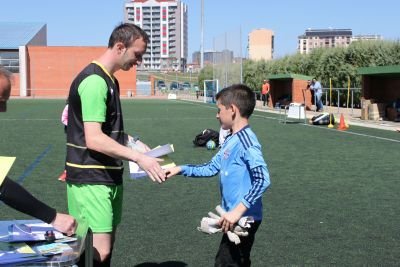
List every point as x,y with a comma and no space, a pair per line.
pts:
158,152
53,248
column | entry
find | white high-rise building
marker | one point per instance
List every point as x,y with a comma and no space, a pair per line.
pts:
317,38
166,23
367,37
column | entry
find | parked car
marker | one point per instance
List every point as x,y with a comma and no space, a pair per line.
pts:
186,86
174,86
161,85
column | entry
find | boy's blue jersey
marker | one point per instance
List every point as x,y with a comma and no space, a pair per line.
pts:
244,176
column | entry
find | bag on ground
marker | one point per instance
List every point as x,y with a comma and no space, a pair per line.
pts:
207,134
323,119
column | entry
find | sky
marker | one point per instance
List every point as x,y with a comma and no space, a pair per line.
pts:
226,22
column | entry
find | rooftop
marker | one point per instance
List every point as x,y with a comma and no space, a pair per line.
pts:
380,70
15,34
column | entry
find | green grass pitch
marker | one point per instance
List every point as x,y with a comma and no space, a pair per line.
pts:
334,198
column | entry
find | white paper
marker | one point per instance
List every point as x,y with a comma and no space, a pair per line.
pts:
160,151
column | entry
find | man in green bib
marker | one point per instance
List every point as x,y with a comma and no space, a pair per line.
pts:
96,141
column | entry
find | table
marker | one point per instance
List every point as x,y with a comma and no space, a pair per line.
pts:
84,243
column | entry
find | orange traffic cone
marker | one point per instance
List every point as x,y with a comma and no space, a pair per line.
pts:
342,124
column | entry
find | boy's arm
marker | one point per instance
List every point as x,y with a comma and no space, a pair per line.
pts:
259,172
205,170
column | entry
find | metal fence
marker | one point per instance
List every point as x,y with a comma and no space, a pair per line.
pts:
342,98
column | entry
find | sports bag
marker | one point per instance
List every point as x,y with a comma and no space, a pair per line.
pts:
323,119
207,134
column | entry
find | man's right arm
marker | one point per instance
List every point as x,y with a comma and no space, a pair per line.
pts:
93,93
96,140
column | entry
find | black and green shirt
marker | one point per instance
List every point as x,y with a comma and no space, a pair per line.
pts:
93,97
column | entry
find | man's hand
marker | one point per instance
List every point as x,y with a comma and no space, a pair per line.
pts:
65,223
173,171
152,167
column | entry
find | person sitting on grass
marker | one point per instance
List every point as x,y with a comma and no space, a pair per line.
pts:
244,176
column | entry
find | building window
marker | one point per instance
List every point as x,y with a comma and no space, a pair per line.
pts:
164,47
10,60
164,30
164,14
138,14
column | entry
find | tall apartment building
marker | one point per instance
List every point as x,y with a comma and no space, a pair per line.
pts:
261,44
324,38
166,23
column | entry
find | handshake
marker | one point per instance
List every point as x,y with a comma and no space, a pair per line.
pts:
209,225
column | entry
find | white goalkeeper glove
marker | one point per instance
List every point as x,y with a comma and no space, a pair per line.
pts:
210,225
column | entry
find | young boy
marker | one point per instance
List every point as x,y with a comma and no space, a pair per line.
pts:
244,176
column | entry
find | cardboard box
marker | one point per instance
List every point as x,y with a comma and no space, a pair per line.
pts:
376,111
391,114
364,113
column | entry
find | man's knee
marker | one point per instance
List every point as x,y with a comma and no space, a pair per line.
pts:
102,254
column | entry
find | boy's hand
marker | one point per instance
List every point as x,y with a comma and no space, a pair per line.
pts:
172,171
229,219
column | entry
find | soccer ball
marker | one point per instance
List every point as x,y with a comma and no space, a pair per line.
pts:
211,145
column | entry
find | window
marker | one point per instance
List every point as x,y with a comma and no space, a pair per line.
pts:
164,47
10,60
164,14
137,13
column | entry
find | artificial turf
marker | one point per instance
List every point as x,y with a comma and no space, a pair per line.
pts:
334,196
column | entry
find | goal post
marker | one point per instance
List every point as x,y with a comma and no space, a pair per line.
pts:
211,88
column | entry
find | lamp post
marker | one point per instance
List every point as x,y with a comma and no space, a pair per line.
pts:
202,35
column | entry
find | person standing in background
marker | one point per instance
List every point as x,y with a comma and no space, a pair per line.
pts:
317,89
64,121
265,92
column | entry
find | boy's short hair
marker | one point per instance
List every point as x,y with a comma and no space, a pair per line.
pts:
239,95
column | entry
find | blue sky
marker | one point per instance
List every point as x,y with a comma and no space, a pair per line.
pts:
89,22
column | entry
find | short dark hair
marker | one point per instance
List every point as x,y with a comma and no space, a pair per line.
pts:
127,33
239,95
